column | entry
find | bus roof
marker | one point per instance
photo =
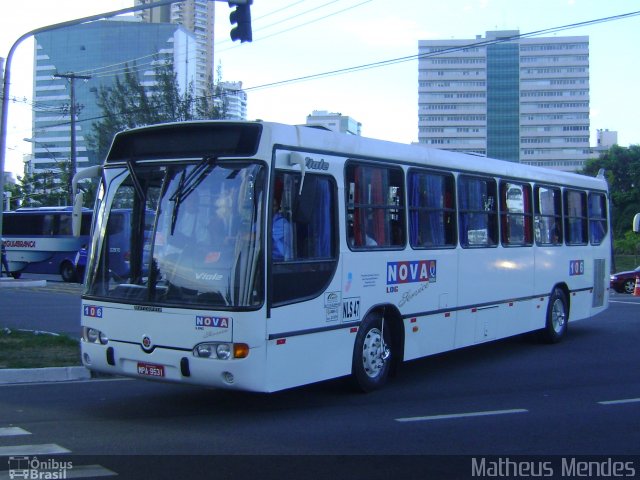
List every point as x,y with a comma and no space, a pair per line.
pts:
199,139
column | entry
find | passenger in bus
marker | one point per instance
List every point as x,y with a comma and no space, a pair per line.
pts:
281,229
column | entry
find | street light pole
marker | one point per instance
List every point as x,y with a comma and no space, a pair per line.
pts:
72,77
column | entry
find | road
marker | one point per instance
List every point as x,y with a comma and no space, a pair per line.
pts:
514,399
54,308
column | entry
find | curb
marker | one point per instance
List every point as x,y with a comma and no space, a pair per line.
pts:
12,283
38,375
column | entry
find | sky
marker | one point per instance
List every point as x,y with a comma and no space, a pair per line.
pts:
293,39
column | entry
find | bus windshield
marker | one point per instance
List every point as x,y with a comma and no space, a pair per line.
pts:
195,235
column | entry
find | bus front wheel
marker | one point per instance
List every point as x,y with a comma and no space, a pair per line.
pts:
372,353
557,317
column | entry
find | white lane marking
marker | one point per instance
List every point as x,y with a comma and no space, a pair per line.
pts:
462,415
10,431
622,301
43,449
618,402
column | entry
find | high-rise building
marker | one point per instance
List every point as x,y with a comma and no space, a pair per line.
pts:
335,121
519,99
197,16
76,57
233,100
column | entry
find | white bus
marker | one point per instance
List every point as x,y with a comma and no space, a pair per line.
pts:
285,255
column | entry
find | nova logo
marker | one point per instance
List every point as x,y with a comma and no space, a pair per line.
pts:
410,272
217,322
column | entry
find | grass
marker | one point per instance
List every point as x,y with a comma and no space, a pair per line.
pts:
28,349
626,262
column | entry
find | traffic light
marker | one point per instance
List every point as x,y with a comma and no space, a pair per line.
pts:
241,18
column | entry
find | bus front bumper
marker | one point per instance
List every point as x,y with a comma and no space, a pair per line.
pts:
172,365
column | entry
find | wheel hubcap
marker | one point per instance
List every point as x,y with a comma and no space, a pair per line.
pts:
558,317
374,353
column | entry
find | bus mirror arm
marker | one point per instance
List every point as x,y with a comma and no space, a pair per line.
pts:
78,197
297,158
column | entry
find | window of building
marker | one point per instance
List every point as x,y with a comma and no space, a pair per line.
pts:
375,206
432,219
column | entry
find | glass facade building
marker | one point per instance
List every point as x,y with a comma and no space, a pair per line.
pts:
95,54
519,99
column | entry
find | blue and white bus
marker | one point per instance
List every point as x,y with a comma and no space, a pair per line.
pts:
40,240
285,255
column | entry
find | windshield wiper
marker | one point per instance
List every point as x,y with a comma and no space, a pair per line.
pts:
188,184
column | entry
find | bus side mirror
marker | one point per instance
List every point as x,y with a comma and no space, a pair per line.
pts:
76,217
78,197
636,223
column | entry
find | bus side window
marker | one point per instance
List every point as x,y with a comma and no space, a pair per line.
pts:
65,225
431,210
515,213
48,225
575,210
597,218
478,211
304,250
548,216
375,207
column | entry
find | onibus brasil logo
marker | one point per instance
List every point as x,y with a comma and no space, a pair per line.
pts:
35,469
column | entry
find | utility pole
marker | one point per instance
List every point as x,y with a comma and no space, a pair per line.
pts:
72,77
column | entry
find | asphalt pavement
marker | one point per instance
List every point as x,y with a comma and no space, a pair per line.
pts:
46,303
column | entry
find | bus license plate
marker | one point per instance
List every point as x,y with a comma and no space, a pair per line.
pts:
150,370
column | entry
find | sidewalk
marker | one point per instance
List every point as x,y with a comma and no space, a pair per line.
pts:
39,375
9,282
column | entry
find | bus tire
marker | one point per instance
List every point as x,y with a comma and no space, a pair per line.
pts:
557,317
372,357
67,272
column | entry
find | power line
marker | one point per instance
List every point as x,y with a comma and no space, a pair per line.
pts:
302,24
392,61
407,58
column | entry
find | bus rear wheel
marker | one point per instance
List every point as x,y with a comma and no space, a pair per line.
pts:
557,317
67,272
372,354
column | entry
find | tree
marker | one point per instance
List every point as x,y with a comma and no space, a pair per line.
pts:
44,188
622,170
128,104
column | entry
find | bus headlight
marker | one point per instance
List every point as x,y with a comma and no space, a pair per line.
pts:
93,335
221,351
204,351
